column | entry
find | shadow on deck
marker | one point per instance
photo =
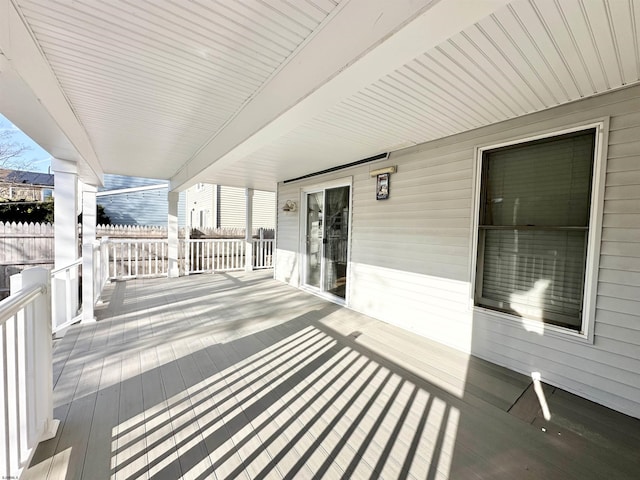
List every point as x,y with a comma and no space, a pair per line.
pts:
237,376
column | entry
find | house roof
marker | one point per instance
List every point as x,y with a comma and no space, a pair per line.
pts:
26,178
250,93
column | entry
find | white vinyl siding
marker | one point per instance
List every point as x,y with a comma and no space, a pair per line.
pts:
264,209
138,208
411,255
232,212
202,202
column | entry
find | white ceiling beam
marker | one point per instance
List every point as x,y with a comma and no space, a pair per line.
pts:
364,41
31,97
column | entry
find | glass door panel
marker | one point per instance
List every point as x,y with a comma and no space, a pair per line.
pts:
313,270
336,240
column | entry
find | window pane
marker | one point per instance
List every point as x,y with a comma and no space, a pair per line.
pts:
535,267
540,183
537,274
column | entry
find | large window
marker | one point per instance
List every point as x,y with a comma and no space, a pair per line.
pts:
533,228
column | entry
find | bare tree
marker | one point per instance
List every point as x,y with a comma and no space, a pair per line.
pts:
11,151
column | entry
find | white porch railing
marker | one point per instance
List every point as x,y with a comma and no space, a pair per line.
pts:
263,253
26,387
132,258
129,258
101,267
215,255
65,295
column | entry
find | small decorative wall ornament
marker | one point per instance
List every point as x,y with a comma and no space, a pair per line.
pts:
289,206
383,180
382,186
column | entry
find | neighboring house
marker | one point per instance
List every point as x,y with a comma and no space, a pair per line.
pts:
148,207
27,186
518,242
208,206
218,206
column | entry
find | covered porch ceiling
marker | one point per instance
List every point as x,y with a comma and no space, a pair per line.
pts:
252,92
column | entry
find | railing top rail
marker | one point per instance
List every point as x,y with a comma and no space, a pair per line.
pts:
71,265
213,240
16,302
137,240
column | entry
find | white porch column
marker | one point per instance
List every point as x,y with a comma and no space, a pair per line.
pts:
65,234
89,219
248,234
172,227
188,221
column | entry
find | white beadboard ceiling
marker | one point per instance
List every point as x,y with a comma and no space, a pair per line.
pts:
243,92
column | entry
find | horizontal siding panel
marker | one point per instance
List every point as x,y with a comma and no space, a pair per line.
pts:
626,292
414,213
622,206
624,264
391,221
368,198
414,158
621,249
435,269
561,353
619,277
620,234
446,234
382,257
624,150
624,178
433,301
622,220
419,170
627,349
425,179
625,121
625,135
264,209
616,319
419,204
631,307
581,377
448,252
391,241
415,282
628,336
232,207
622,193
615,372
623,164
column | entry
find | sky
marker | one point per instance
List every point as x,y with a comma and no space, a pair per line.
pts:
39,160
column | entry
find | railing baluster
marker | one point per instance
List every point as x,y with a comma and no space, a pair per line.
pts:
4,385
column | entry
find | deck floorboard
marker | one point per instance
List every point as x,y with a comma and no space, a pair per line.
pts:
237,376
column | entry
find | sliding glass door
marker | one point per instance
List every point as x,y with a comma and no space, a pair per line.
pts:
327,240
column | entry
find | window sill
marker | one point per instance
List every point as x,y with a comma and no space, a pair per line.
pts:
532,326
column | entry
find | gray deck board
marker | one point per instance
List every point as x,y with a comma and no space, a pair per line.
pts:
237,376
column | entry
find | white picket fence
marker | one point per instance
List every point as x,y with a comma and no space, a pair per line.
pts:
23,245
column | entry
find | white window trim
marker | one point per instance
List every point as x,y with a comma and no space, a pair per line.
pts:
586,335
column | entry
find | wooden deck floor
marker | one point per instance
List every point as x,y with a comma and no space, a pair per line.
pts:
236,376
